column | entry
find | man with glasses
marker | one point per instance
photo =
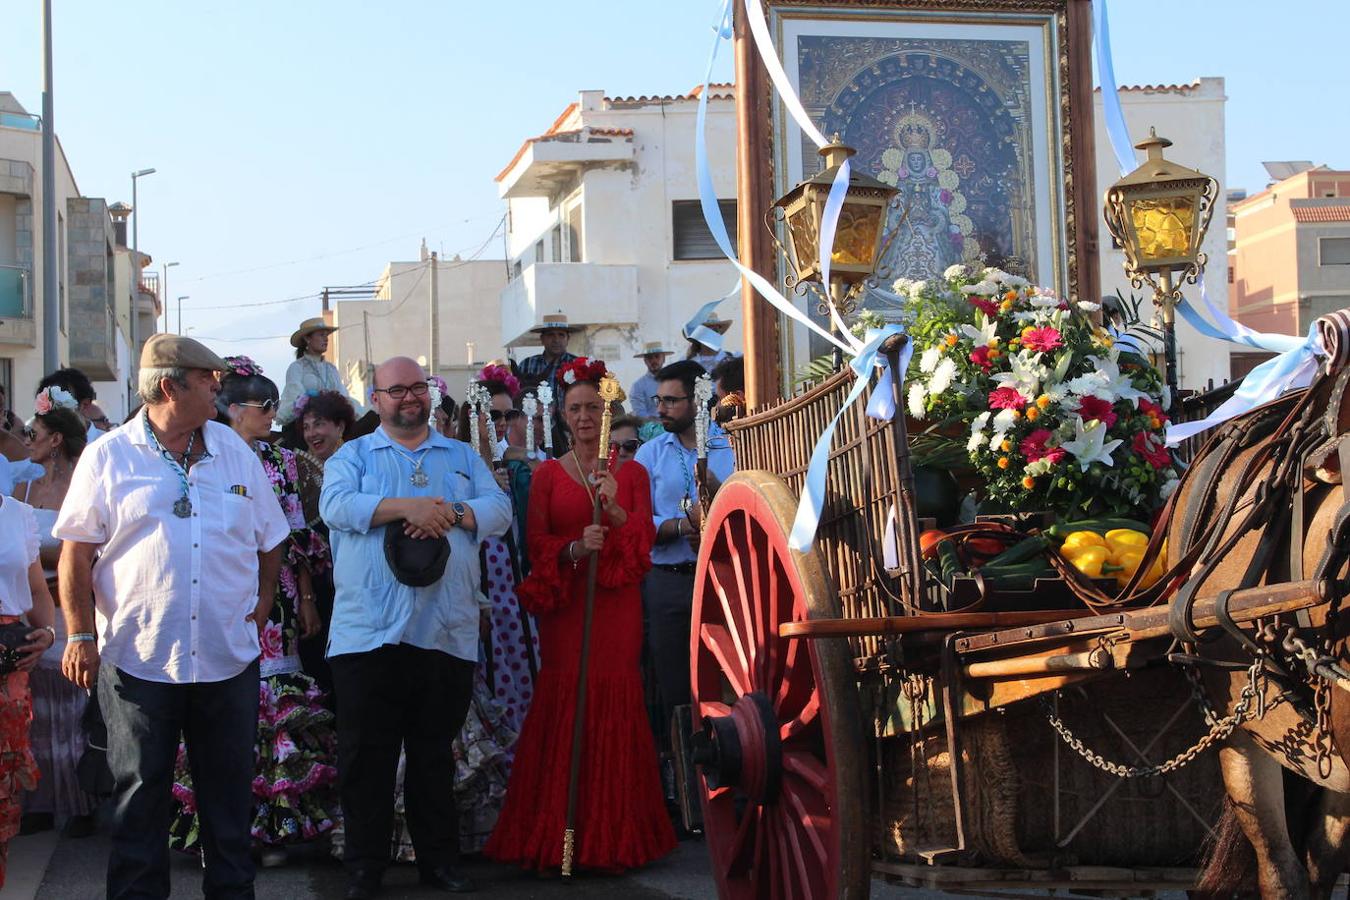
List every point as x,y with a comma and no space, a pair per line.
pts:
404,635
671,461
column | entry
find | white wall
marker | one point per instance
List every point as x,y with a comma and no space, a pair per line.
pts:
1193,119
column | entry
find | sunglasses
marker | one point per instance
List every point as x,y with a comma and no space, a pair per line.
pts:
265,406
629,446
509,415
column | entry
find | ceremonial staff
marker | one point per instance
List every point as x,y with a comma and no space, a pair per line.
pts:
703,393
610,392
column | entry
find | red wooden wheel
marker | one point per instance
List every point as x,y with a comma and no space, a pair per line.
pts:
780,758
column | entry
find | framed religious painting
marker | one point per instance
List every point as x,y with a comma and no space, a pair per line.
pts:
978,111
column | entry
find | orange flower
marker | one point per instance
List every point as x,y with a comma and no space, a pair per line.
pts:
1033,414
1004,462
1006,446
1028,482
993,354
952,340
1043,401
1010,296
1017,413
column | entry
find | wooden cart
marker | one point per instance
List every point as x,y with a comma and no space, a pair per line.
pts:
844,729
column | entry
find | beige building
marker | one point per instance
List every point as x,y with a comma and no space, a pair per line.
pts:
1290,261
398,321
95,273
604,224
1192,117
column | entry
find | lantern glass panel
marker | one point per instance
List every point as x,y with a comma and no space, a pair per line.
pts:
805,239
855,240
1164,226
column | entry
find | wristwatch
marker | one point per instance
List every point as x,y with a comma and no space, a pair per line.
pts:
459,509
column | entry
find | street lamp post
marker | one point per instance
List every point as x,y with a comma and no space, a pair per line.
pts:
1159,214
136,273
164,290
180,314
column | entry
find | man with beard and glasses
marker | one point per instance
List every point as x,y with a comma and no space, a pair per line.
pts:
671,461
406,508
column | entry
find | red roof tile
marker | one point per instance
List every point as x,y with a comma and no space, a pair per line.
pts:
1338,213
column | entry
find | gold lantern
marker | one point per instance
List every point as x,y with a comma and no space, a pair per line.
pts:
1159,214
859,239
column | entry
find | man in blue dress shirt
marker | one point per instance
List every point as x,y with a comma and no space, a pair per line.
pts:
403,656
668,589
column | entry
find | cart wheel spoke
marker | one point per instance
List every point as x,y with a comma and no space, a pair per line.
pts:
802,720
741,856
740,562
723,577
790,843
713,708
809,769
723,646
770,606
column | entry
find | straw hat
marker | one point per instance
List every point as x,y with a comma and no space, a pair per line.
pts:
308,327
555,322
653,348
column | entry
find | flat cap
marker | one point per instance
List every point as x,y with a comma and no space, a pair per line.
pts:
164,351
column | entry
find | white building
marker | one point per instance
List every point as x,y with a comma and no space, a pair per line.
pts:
398,321
604,225
1192,117
94,271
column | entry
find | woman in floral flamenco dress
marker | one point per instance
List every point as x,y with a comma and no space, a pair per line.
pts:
294,786
621,820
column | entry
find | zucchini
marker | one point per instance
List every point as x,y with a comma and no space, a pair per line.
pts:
1020,552
1100,525
949,560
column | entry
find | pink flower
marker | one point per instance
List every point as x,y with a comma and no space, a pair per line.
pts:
988,307
980,357
1041,340
1096,408
1033,445
270,640
1151,448
42,404
1006,398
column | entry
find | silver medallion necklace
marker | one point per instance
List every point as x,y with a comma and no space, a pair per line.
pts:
419,477
182,507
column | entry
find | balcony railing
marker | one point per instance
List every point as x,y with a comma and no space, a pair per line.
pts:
25,121
14,292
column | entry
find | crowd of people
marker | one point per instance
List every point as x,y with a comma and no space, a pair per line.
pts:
254,616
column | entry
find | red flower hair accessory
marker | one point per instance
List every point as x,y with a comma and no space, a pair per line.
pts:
581,369
492,372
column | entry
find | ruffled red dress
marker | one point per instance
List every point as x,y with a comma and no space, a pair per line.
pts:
621,816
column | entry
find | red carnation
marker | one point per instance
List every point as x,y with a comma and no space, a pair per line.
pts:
1042,340
989,308
1006,398
1151,448
1091,407
581,369
980,357
1033,445
1149,408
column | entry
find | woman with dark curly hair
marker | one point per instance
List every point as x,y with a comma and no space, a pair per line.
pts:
295,777
57,435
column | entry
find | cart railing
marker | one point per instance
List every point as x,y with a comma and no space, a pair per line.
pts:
861,488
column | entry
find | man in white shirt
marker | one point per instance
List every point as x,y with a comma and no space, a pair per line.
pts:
187,533
641,398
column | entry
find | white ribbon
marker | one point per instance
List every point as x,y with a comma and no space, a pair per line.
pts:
695,330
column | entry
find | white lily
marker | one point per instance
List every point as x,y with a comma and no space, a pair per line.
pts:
1026,373
977,435
1089,444
983,332
1118,384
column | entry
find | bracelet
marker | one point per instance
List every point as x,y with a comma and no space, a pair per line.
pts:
79,636
304,597
50,630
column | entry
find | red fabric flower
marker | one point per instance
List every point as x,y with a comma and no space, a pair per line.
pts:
581,369
988,307
1096,408
1006,398
980,357
1149,408
1033,445
1042,340
1151,448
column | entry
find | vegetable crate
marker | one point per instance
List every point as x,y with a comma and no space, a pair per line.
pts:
845,727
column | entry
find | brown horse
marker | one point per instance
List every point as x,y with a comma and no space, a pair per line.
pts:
1239,516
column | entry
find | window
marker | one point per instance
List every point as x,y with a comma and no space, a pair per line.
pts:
1231,275
515,270
693,240
539,250
1334,251
556,235
574,233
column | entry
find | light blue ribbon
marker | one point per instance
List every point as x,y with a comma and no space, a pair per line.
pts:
881,406
1106,79
695,330
1292,369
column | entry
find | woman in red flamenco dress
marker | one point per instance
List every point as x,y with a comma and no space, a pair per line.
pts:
621,817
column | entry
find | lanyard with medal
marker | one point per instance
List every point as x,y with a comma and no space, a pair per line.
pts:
419,477
182,507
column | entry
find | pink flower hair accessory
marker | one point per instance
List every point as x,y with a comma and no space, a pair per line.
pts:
496,372
52,397
243,366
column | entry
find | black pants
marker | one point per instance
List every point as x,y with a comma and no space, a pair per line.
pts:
218,721
399,695
667,603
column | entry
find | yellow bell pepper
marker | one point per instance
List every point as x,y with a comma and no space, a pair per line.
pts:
1074,540
1090,560
1129,561
1123,540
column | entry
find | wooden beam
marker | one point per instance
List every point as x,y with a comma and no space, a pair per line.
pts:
1083,182
822,628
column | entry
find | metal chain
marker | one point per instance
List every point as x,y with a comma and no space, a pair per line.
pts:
1219,730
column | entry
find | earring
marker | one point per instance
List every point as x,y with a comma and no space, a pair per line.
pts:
53,456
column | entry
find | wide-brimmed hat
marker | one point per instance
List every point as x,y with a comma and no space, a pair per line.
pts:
308,327
172,351
653,348
713,323
555,322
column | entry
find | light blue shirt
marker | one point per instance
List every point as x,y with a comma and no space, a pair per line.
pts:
640,397
671,468
372,608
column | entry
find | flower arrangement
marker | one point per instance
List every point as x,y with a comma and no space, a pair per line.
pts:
1054,415
242,366
581,369
498,372
52,397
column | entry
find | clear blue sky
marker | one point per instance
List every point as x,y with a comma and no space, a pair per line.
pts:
303,144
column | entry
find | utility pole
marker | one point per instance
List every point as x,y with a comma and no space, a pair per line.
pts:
164,297
134,323
435,317
51,286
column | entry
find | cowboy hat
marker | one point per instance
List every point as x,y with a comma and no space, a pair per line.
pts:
555,322
712,323
308,327
653,348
